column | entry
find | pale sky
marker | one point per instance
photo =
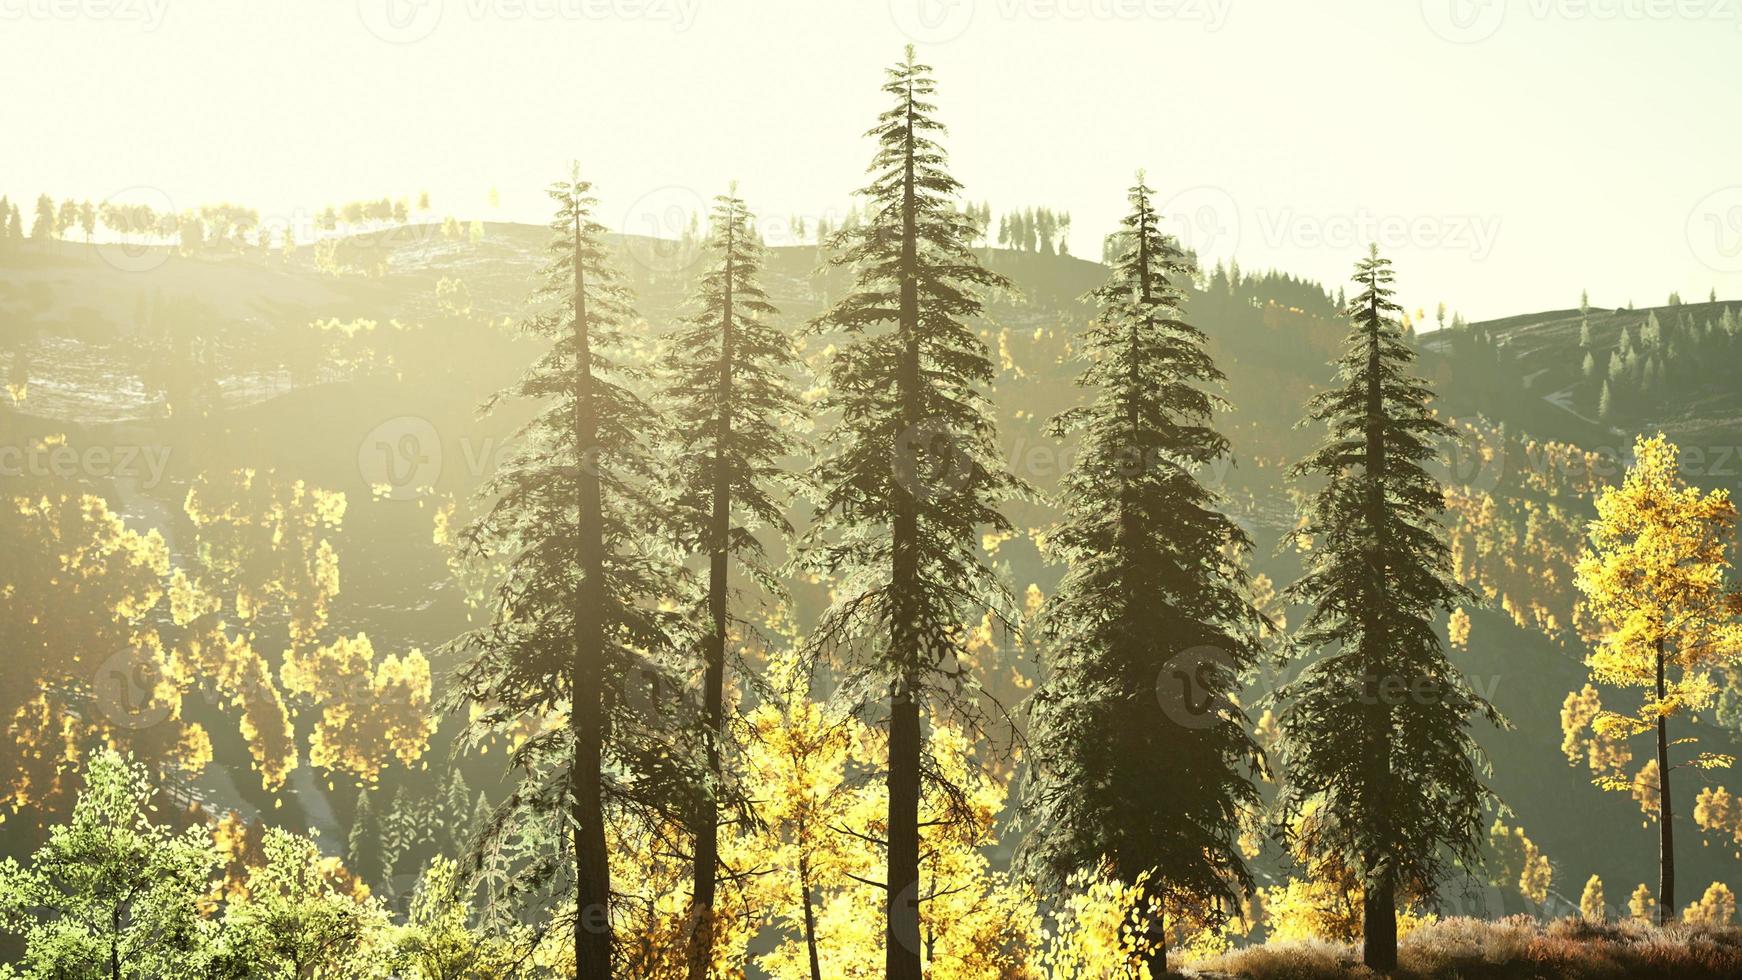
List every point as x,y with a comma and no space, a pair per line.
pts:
1505,153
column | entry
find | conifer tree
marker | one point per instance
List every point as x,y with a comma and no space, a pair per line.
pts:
578,631
1377,728
734,413
913,480
456,813
363,844
1153,575
42,228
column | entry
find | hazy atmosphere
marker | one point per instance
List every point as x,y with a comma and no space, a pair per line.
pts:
1530,147
955,489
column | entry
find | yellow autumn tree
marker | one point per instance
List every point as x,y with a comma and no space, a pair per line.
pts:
1519,863
819,863
1591,901
1641,905
1717,907
1654,577
1325,901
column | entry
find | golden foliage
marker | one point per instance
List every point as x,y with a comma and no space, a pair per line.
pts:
1521,863
1458,629
1642,905
1717,907
1591,901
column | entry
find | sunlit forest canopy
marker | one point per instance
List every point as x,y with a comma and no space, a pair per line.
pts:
881,494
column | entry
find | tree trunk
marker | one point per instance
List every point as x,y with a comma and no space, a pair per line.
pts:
1665,812
592,871
1156,958
714,652
1379,926
901,945
810,916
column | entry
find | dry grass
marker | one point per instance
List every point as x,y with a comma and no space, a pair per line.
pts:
1475,949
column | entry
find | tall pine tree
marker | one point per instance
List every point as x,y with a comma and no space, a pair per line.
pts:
578,631
914,478
1153,586
735,414
1377,726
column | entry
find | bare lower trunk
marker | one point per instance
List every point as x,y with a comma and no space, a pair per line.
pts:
1665,812
810,917
902,956
1156,958
1379,927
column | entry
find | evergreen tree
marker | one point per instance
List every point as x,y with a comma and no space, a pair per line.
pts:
1154,574
734,413
42,228
456,813
363,844
1377,727
578,630
914,479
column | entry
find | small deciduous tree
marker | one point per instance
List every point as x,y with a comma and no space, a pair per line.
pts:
111,894
296,918
1654,577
